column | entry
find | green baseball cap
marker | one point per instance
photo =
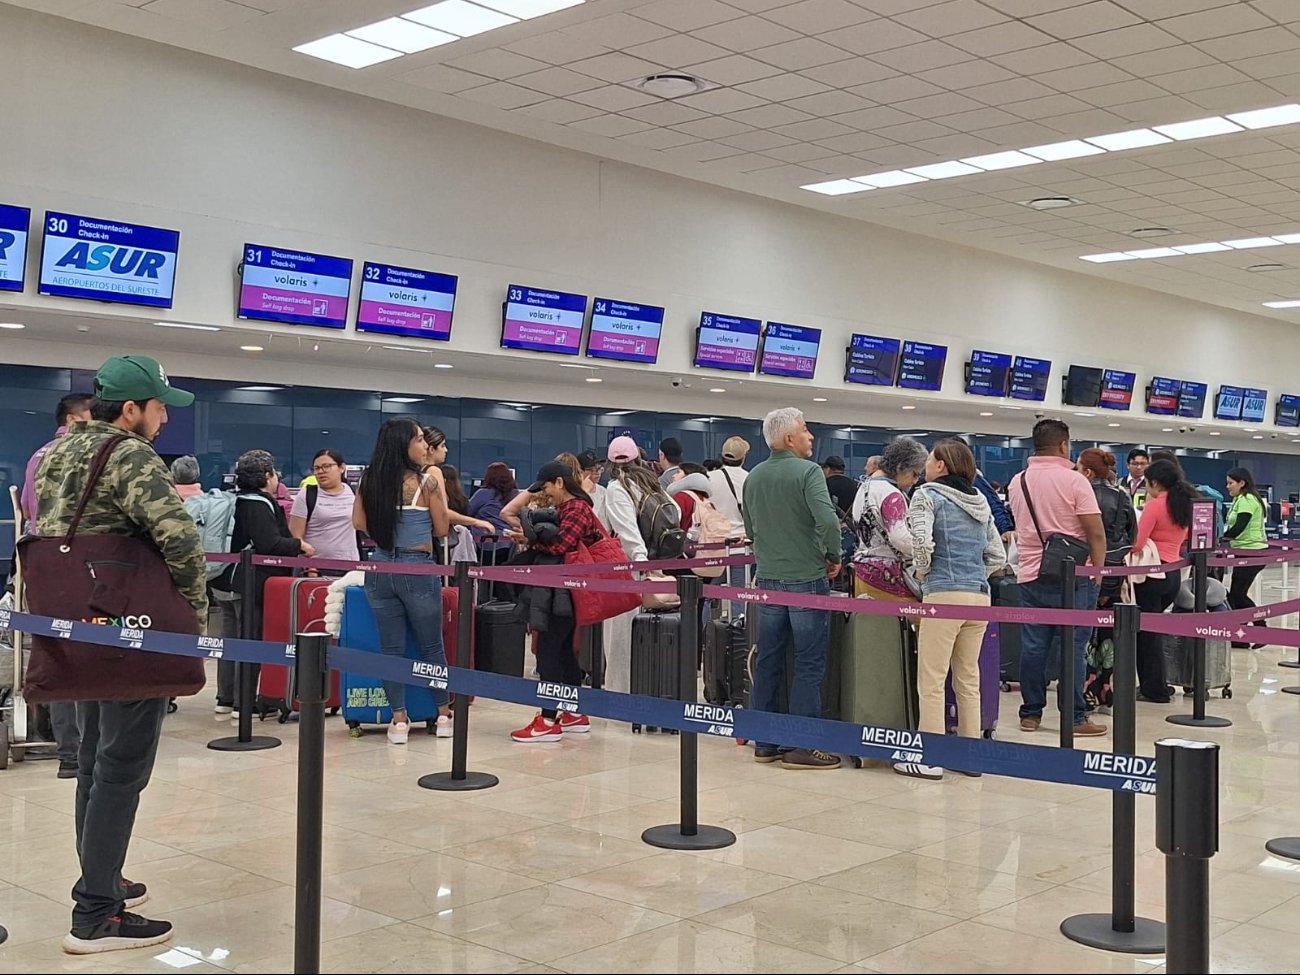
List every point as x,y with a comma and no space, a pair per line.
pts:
138,378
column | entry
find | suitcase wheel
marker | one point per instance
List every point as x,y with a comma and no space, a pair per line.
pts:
284,716
636,729
1006,686
172,706
332,712
990,733
856,761
1227,692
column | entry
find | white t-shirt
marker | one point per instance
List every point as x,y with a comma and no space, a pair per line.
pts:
330,527
724,500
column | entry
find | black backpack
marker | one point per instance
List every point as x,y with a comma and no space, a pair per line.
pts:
660,522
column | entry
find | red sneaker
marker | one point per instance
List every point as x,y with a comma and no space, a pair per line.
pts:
576,724
539,729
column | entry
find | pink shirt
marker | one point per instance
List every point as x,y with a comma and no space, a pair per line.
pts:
1061,494
1158,525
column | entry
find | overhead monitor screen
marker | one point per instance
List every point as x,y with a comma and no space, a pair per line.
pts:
543,321
1227,406
920,366
1116,390
790,350
1254,403
871,360
404,301
1082,386
1162,396
1288,410
988,374
14,223
294,287
1029,378
1191,399
107,260
622,330
727,342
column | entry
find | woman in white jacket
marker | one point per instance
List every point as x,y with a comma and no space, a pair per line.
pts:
628,483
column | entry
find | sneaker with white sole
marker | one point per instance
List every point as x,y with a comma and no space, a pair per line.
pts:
574,724
541,728
398,732
222,708
121,931
919,771
134,894
444,727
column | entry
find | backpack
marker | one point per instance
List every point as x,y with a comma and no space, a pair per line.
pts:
660,522
708,524
214,516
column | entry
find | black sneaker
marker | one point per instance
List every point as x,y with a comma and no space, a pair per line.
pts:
134,894
809,758
67,770
766,754
120,931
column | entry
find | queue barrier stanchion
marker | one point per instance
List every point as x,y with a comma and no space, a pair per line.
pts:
1198,718
245,677
459,779
1065,686
1121,930
1187,833
688,834
312,683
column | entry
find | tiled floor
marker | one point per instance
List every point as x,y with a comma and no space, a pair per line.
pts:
846,871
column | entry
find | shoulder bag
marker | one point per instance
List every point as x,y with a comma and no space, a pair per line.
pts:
1057,547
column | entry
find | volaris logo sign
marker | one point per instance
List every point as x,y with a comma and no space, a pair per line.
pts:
84,257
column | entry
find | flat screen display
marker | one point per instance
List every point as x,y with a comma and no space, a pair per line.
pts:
1029,378
1082,386
871,360
1162,396
1288,410
790,350
920,365
543,321
727,342
14,223
1116,390
294,287
988,374
404,301
1227,405
624,331
1254,403
1191,399
107,260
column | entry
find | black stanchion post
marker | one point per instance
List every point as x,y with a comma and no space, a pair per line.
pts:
688,834
1120,930
1198,718
459,779
1065,686
594,637
312,683
1187,833
245,740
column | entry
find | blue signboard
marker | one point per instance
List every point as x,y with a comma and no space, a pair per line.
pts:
872,360
790,350
543,321
14,223
624,331
921,365
988,373
1162,396
1228,404
404,301
294,287
727,342
1288,410
1254,402
1191,399
1029,378
1116,390
107,260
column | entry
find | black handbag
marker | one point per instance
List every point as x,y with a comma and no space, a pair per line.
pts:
1057,547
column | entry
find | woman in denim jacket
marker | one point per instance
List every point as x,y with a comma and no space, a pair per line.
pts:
956,546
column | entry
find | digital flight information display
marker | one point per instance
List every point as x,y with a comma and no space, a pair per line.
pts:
1288,410
404,301
108,260
790,350
727,342
294,287
1254,403
920,366
543,321
1029,378
1116,390
1162,399
1228,404
1191,399
988,373
871,360
624,331
14,224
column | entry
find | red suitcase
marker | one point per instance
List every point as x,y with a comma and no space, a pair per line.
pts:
451,630
291,606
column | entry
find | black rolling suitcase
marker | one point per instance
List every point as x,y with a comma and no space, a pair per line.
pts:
1006,592
499,635
726,656
656,657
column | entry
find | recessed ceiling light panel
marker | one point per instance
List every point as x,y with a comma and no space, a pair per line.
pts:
1107,258
1132,139
1002,160
895,177
1071,149
1198,128
402,35
1265,118
836,187
1207,248
1249,243
943,170
347,51
460,17
527,9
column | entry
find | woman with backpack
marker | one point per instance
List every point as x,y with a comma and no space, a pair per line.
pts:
322,512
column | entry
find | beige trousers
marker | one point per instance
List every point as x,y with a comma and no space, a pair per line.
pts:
955,644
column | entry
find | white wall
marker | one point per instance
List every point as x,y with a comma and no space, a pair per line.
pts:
97,123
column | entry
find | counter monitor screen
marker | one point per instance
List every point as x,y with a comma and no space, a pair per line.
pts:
1029,378
1191,399
1227,406
403,301
1162,396
1116,390
1288,411
14,223
790,350
1082,386
988,373
108,260
871,360
624,331
294,287
921,365
727,342
543,321
1254,403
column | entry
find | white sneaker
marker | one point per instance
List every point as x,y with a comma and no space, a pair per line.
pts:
919,771
398,732
234,716
222,709
443,729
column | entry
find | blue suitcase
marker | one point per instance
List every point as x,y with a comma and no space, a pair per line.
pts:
363,698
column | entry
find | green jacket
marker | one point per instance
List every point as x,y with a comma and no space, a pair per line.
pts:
136,496
791,519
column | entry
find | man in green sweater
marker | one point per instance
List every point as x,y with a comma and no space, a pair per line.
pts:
791,519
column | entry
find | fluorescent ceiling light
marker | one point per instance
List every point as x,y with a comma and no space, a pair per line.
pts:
1107,258
1215,433
442,365
1072,149
819,399
1132,139
943,170
836,187
987,413
250,348
402,35
259,389
193,328
460,18
1083,413
1264,118
716,389
594,379
1258,436
1149,252
1112,424
618,412
1246,243
1289,303
909,407
527,9
1208,248
403,399
895,177
347,51
12,326
1287,238
1166,429
1001,160
1198,128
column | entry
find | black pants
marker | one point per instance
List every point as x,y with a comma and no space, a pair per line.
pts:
557,661
1154,596
1243,577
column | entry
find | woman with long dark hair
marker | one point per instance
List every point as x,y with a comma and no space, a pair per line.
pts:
402,507
1245,532
498,490
1166,520
457,500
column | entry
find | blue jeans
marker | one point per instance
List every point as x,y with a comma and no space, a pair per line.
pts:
736,575
809,630
1036,640
405,604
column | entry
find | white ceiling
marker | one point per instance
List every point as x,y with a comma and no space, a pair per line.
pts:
813,90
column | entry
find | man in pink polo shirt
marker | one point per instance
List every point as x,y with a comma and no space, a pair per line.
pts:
1064,503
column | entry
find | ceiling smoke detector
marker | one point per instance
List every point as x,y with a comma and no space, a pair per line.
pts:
1050,202
671,84
1150,232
